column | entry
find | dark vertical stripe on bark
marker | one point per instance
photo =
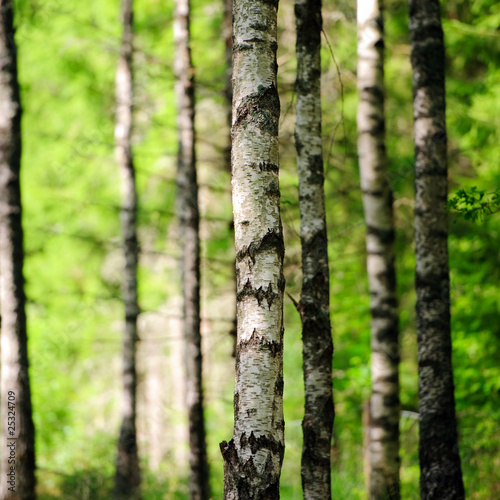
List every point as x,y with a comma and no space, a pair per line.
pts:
384,407
314,304
14,362
127,478
253,458
187,207
441,474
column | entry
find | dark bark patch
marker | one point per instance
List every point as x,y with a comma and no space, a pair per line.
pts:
315,249
433,283
274,3
298,143
259,293
374,91
272,240
427,54
258,26
268,167
273,190
258,443
261,110
309,24
379,44
385,236
242,478
240,47
378,127
278,389
261,344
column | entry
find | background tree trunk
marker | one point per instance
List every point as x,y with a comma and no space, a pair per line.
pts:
227,26
314,304
383,434
19,433
127,479
254,456
187,206
441,474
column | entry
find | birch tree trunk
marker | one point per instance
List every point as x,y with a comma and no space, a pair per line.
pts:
127,477
227,27
18,449
384,408
253,458
314,306
441,474
187,206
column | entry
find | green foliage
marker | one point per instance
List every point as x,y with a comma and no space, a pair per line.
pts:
474,205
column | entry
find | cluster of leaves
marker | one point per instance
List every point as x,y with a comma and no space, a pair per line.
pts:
475,204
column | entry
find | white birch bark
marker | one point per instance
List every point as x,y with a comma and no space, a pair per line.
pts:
384,408
441,474
127,477
18,480
188,213
314,306
254,456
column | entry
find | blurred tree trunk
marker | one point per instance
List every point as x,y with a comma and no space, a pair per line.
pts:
187,206
127,478
228,94
441,474
227,27
18,476
384,408
314,306
254,456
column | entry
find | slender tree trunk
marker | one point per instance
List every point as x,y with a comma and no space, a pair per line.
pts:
383,434
314,306
254,456
227,27
441,474
190,246
127,479
18,449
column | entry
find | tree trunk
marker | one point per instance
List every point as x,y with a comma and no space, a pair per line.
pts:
187,206
18,449
227,27
441,474
384,405
314,304
127,479
254,456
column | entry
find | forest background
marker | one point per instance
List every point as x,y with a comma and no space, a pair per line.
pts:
70,184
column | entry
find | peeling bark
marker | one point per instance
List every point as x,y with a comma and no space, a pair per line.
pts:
187,208
14,358
314,306
384,407
127,477
441,474
253,458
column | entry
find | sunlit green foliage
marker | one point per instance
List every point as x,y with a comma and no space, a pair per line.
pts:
475,204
